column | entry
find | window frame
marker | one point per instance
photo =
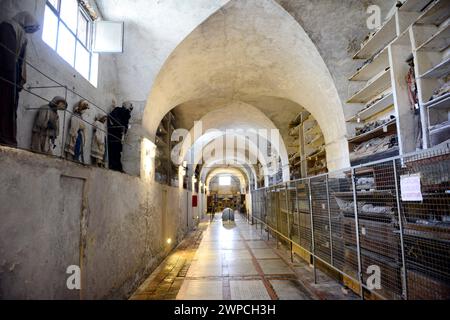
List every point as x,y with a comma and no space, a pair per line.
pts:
89,35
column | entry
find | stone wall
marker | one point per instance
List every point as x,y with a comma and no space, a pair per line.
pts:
55,214
337,28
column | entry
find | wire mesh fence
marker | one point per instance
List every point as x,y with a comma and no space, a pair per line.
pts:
384,226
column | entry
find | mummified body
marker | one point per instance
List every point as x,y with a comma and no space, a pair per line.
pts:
118,122
99,141
76,138
13,44
46,126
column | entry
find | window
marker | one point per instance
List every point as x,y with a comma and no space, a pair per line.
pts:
225,180
68,31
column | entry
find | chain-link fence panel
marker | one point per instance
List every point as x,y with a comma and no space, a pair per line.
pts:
385,226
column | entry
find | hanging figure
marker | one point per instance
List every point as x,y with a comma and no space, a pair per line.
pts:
118,122
414,101
13,44
77,133
46,126
99,141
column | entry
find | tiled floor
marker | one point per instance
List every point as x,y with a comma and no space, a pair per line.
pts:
234,262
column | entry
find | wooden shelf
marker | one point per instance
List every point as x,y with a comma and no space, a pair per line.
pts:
442,102
295,156
439,71
294,132
312,135
392,152
296,165
314,141
372,89
160,142
364,194
436,13
299,119
379,106
380,40
439,41
380,62
445,127
162,130
414,5
317,155
313,130
374,133
312,170
403,39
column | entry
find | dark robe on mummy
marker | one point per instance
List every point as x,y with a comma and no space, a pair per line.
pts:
13,43
118,122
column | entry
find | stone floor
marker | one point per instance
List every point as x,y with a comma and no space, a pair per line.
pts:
234,261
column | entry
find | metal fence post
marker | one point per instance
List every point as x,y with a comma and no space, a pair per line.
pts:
298,213
261,226
261,198
63,139
288,219
402,244
313,249
266,208
329,219
277,215
358,248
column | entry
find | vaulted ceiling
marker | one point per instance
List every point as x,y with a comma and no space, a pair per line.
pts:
197,57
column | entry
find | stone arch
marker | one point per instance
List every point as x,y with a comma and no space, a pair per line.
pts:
237,52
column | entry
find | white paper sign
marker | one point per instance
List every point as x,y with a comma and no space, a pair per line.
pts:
411,188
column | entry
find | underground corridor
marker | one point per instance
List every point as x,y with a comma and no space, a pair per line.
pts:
224,150
234,260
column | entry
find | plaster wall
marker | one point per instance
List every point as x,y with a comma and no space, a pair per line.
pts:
55,214
153,29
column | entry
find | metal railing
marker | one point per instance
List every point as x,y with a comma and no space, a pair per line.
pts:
383,233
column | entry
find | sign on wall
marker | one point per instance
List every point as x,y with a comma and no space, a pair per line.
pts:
411,188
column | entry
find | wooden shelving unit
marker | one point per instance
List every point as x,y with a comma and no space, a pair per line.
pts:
442,102
431,33
414,5
310,156
422,31
444,127
440,70
376,97
373,88
369,112
166,171
439,41
388,127
378,41
379,63
420,28
435,14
